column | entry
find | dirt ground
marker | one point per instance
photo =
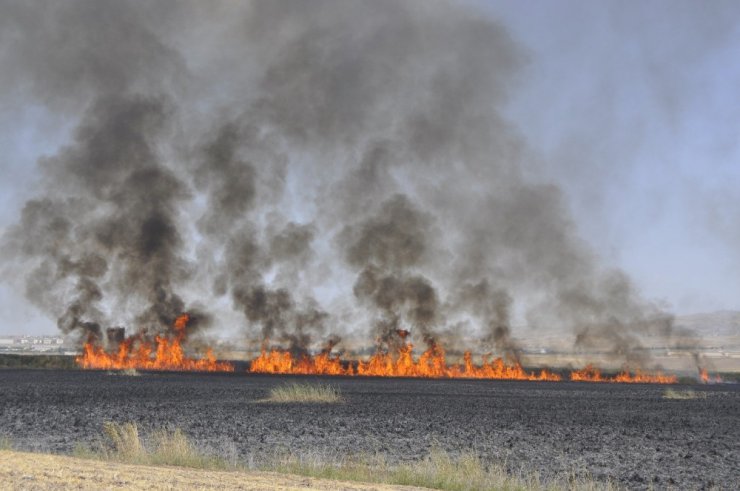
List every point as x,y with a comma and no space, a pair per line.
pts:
31,471
630,434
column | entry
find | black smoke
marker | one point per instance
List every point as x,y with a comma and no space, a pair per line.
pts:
299,159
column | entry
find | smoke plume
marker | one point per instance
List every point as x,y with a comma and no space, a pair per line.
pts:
302,160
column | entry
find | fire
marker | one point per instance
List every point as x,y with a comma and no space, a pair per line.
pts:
276,361
591,374
165,353
706,378
430,364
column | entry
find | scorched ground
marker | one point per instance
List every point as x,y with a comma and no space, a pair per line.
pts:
629,433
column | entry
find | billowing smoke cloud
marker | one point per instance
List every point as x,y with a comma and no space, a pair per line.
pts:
493,307
294,155
229,180
387,247
109,216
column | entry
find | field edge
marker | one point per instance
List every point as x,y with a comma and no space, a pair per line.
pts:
21,470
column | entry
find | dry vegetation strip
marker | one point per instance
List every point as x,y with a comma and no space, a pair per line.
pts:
172,453
438,470
675,394
304,393
20,470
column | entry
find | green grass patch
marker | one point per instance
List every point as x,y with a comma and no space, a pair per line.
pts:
305,393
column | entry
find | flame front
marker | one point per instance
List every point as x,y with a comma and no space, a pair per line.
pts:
165,353
431,364
706,378
592,374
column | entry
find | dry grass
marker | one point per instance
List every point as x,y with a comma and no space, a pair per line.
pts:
127,372
5,443
438,470
162,447
675,394
304,393
44,472
125,441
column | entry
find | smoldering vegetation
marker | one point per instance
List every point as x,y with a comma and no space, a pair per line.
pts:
328,168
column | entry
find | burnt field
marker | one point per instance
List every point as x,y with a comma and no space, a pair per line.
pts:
629,433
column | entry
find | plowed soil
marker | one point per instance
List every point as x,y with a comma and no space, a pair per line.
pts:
631,434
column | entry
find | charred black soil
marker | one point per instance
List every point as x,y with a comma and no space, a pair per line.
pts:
629,433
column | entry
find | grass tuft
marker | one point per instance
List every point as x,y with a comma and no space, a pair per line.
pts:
5,443
175,448
127,372
125,440
162,447
438,470
303,392
675,394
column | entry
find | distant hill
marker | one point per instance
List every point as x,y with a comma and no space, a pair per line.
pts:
712,324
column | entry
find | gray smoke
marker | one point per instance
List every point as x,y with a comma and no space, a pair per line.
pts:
388,247
267,152
493,307
108,220
229,180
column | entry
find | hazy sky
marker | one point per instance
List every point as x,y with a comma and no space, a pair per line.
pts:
632,107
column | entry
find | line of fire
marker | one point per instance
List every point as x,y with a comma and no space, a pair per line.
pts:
167,353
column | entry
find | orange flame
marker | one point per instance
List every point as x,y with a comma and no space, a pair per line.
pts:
431,364
706,378
591,374
166,353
